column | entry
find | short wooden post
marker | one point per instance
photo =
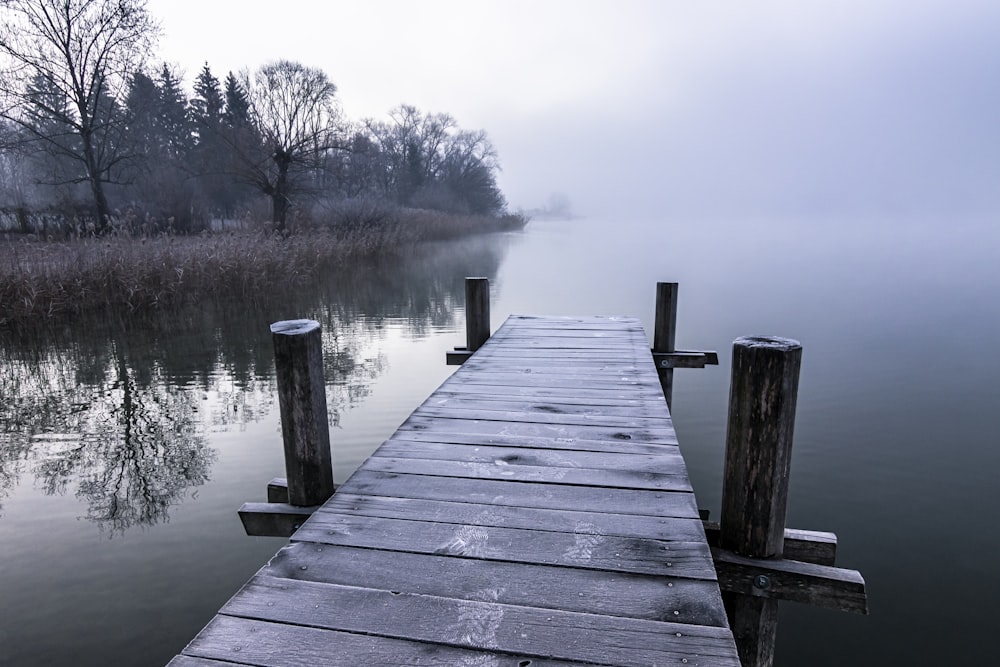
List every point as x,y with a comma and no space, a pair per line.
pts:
664,333
477,312
755,484
298,358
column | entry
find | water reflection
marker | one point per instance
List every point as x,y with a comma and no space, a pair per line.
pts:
116,411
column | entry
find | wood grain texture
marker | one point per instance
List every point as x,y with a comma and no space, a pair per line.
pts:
586,547
477,312
534,511
478,624
305,431
625,595
762,400
818,585
674,479
642,502
665,333
567,521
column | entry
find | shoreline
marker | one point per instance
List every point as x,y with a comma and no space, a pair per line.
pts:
123,273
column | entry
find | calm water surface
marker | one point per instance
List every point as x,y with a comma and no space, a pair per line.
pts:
126,449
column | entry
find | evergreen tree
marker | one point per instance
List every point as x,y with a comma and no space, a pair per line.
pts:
142,105
211,158
172,119
208,103
237,112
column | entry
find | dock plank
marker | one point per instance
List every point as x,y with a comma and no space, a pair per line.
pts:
586,547
535,510
567,521
669,460
524,494
476,624
669,480
625,595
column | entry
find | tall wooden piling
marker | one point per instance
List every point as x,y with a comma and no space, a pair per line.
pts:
665,332
298,357
755,485
477,312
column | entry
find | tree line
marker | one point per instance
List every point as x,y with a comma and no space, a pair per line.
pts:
89,132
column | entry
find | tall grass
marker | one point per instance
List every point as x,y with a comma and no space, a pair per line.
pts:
47,279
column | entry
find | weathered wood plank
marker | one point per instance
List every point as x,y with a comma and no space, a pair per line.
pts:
273,519
524,494
189,661
685,359
548,378
636,410
592,356
540,417
819,585
553,366
456,384
676,480
585,548
283,645
456,357
667,461
557,404
664,435
481,624
692,601
536,442
567,521
810,546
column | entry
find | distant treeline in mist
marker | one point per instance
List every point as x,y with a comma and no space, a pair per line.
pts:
93,140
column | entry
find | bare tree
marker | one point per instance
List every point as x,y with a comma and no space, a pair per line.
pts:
429,162
80,51
294,112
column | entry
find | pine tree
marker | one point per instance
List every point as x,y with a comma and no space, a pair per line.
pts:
172,119
142,105
208,103
237,113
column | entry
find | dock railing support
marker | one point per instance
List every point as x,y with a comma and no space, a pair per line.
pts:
665,333
762,401
305,431
758,561
665,354
477,320
477,312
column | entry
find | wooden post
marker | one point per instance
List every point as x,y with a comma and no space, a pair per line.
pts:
664,333
477,312
755,484
298,358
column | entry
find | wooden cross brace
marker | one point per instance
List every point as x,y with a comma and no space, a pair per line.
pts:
804,573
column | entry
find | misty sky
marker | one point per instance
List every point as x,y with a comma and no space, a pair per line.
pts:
784,107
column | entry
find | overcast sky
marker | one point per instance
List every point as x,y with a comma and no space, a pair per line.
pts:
761,107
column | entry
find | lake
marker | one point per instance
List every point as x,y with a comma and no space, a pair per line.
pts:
126,448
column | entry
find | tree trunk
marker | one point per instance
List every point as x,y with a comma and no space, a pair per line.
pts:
279,198
101,208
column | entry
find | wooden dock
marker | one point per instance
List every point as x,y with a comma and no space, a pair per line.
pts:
535,510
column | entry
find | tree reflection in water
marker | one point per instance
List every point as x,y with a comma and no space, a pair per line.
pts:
117,410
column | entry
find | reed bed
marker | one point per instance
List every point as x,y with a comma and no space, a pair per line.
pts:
52,279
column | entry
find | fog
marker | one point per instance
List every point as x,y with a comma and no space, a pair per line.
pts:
645,108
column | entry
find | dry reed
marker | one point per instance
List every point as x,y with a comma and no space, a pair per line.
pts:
47,279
